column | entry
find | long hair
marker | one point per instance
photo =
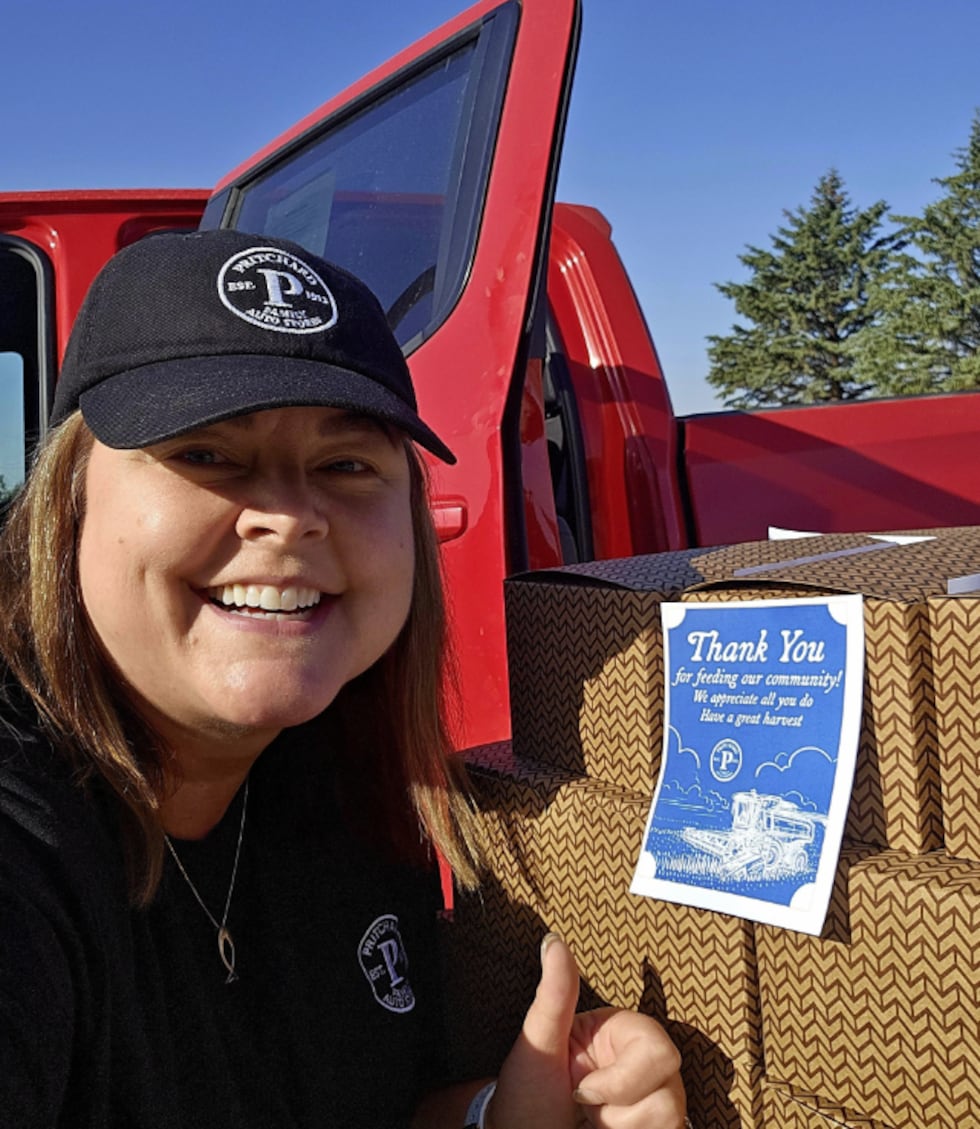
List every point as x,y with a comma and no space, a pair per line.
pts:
49,646
393,724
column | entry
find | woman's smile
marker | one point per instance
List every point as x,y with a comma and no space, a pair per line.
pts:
287,611
248,598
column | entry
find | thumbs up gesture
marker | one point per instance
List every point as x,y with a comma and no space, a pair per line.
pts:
614,1069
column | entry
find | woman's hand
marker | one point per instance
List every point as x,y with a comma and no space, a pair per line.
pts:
613,1069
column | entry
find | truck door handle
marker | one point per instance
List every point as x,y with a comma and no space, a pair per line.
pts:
449,518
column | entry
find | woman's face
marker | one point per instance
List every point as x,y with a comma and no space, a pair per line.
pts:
241,574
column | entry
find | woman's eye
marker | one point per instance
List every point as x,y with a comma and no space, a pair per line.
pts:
201,457
347,466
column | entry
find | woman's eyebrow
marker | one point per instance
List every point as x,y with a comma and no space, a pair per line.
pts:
353,423
337,422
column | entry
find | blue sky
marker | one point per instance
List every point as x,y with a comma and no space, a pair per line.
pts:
693,122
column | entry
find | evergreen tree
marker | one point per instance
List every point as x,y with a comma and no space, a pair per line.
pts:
808,304
929,338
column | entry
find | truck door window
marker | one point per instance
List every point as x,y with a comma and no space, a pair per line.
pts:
393,188
11,424
25,349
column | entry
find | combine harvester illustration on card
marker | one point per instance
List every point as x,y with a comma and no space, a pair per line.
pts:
770,838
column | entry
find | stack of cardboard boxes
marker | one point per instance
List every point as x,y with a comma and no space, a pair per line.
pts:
876,1022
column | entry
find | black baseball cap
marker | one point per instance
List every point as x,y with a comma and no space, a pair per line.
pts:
180,330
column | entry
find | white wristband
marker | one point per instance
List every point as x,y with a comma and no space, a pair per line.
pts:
476,1115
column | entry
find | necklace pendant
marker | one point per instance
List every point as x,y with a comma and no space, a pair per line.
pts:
226,946
226,950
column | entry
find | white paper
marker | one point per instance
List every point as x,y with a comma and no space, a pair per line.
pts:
777,533
960,585
762,715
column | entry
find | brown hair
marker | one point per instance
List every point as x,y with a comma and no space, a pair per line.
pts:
392,719
393,723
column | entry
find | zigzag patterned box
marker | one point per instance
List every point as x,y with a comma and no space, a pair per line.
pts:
955,628
563,850
586,664
586,661
882,1013
788,1107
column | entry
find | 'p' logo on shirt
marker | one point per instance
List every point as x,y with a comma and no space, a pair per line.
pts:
384,962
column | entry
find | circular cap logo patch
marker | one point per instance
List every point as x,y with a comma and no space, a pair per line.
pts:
275,290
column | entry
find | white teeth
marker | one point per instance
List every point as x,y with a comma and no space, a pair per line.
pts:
265,597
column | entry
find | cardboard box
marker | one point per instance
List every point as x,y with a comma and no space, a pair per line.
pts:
563,850
881,1013
787,1107
586,661
586,665
955,630
874,1023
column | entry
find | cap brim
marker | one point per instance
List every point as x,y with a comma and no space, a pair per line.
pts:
156,402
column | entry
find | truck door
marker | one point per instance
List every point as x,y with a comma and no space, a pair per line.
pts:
52,244
432,179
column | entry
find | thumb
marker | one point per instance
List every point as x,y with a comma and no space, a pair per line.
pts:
534,1089
548,1023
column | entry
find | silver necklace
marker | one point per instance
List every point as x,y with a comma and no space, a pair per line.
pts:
226,946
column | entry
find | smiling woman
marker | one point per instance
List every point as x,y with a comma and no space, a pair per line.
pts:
224,765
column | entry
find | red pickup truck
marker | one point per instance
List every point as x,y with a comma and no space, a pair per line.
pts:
433,178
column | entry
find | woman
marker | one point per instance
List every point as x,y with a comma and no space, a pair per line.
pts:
224,766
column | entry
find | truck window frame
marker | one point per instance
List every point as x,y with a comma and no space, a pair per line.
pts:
27,330
566,448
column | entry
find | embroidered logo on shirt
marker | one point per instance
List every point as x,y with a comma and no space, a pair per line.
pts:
385,964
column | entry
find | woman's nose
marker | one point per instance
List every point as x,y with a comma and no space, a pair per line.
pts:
284,508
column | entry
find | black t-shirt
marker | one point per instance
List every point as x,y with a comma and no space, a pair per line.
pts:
120,1018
